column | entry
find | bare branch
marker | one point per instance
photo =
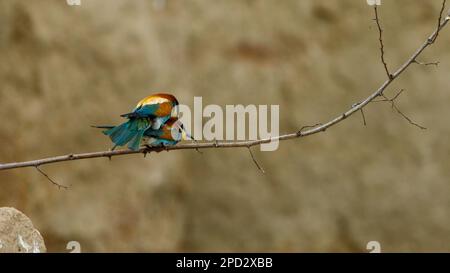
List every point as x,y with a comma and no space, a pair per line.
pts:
302,133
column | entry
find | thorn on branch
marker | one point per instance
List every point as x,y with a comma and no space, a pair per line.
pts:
196,142
49,179
197,149
254,160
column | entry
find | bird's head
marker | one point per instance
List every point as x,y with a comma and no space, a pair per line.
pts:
175,104
177,130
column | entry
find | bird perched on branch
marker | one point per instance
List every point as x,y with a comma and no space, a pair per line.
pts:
169,134
151,112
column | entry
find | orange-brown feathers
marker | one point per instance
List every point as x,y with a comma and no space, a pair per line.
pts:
158,98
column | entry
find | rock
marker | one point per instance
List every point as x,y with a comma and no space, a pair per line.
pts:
17,233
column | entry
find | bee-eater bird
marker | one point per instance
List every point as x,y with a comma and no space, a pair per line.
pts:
169,134
151,112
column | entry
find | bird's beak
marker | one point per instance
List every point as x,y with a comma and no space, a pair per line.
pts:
186,136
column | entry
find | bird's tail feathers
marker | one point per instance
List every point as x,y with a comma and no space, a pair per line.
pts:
129,115
102,126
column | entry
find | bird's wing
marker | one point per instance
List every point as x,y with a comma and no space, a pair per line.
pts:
145,111
132,129
151,110
153,133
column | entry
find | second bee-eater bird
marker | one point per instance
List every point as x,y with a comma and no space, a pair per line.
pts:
169,134
151,112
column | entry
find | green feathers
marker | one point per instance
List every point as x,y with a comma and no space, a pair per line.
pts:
130,132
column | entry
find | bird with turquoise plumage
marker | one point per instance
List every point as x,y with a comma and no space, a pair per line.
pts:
151,112
169,134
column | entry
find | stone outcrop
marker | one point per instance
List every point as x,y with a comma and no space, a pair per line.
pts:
17,233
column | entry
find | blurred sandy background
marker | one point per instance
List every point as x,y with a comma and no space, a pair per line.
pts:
65,68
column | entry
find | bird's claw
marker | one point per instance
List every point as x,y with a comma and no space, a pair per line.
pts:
157,149
148,149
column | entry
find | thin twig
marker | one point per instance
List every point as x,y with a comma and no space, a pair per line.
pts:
427,64
380,38
315,130
395,107
363,116
444,2
254,160
49,179
362,113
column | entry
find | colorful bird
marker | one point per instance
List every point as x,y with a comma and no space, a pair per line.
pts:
150,113
169,134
